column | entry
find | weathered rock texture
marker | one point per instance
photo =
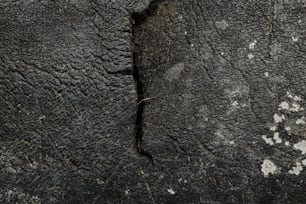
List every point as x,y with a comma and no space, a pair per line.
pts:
224,96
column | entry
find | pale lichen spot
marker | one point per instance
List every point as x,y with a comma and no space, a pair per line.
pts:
267,140
174,72
297,98
300,121
171,191
287,128
296,169
268,167
232,142
287,143
295,107
41,118
250,56
277,139
284,105
266,74
278,119
304,162
234,104
221,24
289,95
273,128
252,45
295,39
301,146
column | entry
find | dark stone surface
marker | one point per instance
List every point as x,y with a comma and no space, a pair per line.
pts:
213,73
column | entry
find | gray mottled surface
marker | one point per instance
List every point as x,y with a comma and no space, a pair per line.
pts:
225,86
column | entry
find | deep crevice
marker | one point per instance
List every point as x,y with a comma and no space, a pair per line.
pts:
136,20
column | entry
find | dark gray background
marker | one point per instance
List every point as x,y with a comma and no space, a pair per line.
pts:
215,72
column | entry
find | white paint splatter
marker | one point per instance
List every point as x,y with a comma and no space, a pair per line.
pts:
301,146
252,45
268,167
250,56
171,191
296,169
277,139
267,140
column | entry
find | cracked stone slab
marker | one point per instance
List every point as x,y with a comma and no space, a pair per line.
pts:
224,90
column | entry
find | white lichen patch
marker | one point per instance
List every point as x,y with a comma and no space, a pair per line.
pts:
284,106
288,128
171,191
266,74
300,146
267,140
295,107
278,118
268,167
289,95
300,121
291,118
295,39
252,45
222,24
234,104
250,56
277,139
273,128
297,98
296,169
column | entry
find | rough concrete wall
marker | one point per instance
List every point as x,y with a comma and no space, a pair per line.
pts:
219,98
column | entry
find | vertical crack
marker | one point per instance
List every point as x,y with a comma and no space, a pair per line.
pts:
136,20
139,87
139,113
